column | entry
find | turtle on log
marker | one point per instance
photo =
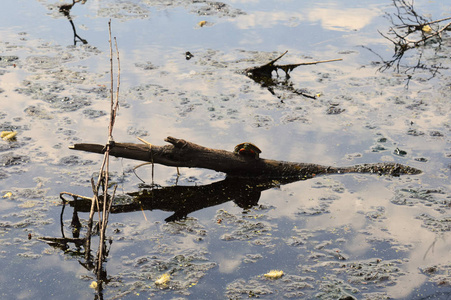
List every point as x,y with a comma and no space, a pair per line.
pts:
247,149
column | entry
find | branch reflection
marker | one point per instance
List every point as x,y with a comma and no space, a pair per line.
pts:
183,200
65,10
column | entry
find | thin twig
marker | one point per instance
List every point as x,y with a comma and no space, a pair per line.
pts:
110,128
73,195
316,62
276,59
114,106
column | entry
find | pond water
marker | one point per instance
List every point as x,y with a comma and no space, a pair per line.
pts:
337,236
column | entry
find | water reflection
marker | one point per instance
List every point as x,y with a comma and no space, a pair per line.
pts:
65,10
331,17
183,200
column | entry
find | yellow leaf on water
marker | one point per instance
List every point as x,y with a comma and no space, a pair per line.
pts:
426,28
8,135
3,133
274,274
164,279
93,285
202,23
8,195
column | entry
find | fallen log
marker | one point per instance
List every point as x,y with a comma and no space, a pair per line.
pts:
181,153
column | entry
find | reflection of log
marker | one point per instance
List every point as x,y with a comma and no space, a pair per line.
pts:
182,153
183,200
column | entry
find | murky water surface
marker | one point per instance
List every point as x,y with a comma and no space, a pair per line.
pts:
362,236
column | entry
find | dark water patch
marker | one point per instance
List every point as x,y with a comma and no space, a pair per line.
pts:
332,185
333,288
43,62
252,228
263,121
439,276
436,199
93,113
415,132
101,92
377,215
216,8
74,160
189,226
378,148
38,112
374,271
124,11
421,159
289,287
10,160
436,224
146,66
12,144
322,206
8,61
298,116
51,93
135,132
436,133
335,110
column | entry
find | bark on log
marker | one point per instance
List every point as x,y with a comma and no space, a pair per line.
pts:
181,153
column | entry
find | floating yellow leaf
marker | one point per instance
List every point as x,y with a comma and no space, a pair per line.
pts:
426,28
8,195
164,279
93,285
8,135
202,23
3,133
274,274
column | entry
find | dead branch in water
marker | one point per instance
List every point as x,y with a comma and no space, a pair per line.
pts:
411,31
181,153
267,69
263,76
